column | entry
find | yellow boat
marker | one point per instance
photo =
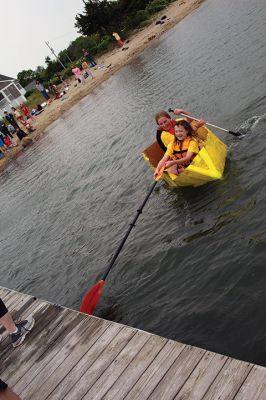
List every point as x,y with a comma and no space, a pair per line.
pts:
207,166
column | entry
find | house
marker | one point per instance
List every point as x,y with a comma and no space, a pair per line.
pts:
11,93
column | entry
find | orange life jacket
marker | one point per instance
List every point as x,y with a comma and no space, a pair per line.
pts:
181,151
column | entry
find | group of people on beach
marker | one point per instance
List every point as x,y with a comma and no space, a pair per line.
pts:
11,126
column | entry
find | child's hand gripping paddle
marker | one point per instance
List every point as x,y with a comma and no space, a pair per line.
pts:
160,172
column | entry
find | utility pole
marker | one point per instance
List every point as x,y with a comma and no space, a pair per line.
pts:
52,50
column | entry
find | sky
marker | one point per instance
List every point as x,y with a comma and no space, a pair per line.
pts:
26,25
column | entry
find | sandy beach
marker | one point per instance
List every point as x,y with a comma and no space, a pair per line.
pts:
114,59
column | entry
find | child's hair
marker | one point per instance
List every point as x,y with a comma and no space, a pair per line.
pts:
186,125
160,114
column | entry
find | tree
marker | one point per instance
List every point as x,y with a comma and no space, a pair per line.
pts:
26,76
47,60
99,17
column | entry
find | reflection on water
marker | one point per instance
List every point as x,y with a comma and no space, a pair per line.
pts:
193,268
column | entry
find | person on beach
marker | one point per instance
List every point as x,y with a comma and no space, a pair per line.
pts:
89,57
3,146
78,74
42,90
86,70
165,130
17,114
26,111
4,130
118,39
20,119
11,120
180,151
62,80
17,333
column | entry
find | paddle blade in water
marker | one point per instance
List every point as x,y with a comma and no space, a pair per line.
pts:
235,133
91,299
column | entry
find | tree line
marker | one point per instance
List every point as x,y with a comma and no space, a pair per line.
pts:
96,24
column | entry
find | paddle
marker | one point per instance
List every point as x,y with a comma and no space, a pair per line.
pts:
160,172
207,123
92,298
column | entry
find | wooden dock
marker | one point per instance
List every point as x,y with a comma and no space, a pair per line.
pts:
72,356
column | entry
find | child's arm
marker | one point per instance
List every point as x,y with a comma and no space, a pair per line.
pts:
161,164
178,111
183,160
198,124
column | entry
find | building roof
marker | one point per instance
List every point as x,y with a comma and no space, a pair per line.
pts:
5,78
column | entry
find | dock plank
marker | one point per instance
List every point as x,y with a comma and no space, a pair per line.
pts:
96,346
178,373
254,387
136,368
229,380
115,369
156,371
201,378
97,368
71,356
62,359
50,341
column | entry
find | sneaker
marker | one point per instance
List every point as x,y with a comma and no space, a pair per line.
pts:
23,327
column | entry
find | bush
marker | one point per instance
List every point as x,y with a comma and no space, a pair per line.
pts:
103,45
27,94
134,20
157,5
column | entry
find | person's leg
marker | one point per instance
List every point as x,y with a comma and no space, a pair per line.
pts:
89,72
10,134
15,125
6,319
6,393
29,115
17,331
45,95
92,61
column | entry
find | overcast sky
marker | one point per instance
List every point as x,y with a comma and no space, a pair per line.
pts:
26,24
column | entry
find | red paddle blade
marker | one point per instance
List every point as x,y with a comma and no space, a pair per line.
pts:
91,299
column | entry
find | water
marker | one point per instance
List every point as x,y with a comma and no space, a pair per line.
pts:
194,268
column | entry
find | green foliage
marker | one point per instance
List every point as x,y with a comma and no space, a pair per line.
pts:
134,20
34,99
99,17
104,17
156,5
29,93
26,76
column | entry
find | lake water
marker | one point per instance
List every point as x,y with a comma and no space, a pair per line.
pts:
194,267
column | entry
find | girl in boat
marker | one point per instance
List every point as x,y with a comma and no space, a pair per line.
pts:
165,131
180,150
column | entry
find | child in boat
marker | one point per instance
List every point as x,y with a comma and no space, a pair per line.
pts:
166,126
180,151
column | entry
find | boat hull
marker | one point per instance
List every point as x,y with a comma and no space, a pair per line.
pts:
207,166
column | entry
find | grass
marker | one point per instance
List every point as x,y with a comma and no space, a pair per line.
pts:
34,99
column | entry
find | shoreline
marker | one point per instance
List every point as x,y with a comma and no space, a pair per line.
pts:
117,58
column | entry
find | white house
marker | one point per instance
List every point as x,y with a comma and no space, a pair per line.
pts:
11,93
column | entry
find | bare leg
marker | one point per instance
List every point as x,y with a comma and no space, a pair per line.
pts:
8,394
8,323
173,170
